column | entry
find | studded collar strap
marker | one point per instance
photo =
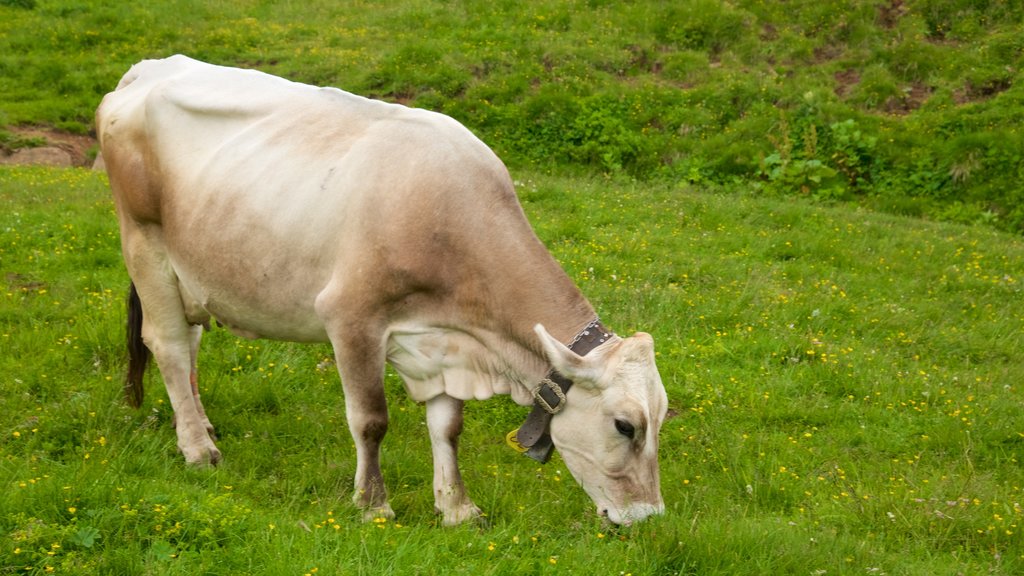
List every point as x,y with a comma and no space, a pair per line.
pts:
534,437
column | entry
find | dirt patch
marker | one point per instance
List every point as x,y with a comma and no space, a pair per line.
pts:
914,96
23,283
845,81
50,147
889,14
979,91
827,52
769,33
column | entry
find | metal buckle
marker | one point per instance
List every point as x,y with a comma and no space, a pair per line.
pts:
539,399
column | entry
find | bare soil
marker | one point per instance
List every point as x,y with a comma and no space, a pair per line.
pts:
60,148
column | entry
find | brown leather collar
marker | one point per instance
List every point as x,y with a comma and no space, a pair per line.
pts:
549,397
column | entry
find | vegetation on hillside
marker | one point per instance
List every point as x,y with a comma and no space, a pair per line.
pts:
913,106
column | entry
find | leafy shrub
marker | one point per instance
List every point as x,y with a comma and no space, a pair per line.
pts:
600,131
26,4
600,136
877,88
806,177
912,59
924,177
852,153
700,25
965,19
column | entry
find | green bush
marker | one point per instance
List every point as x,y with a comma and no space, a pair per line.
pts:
25,4
705,25
877,88
965,19
415,69
913,59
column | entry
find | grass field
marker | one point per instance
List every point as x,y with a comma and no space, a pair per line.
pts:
845,385
845,388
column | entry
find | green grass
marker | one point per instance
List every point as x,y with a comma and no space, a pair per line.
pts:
845,388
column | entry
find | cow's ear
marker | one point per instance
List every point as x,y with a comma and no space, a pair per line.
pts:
580,369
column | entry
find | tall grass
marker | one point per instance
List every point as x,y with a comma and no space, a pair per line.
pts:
845,389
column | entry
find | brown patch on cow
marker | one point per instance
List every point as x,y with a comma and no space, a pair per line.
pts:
455,425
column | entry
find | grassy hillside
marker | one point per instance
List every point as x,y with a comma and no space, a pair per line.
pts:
845,388
909,106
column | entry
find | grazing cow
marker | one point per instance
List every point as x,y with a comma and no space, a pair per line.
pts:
308,214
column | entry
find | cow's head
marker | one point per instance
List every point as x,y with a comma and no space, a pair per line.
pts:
608,431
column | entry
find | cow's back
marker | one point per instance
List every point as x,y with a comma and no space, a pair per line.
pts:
266,190
223,128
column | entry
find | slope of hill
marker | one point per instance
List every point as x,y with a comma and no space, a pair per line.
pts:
911,106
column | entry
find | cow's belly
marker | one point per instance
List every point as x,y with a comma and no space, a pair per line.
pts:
253,298
254,248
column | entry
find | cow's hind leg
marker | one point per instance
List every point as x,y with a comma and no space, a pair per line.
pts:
170,342
173,341
444,420
360,360
195,337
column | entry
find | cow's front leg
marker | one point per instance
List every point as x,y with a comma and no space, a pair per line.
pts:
361,366
366,411
444,420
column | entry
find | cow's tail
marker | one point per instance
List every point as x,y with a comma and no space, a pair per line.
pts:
138,353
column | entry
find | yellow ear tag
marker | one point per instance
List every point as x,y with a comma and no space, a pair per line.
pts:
510,439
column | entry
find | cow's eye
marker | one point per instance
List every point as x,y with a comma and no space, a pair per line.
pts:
625,428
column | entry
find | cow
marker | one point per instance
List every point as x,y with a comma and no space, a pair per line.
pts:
293,212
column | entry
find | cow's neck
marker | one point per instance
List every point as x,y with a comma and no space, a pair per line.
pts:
542,294
540,291
478,338
483,312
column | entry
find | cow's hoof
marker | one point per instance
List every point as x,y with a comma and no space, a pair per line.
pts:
463,514
378,514
202,457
